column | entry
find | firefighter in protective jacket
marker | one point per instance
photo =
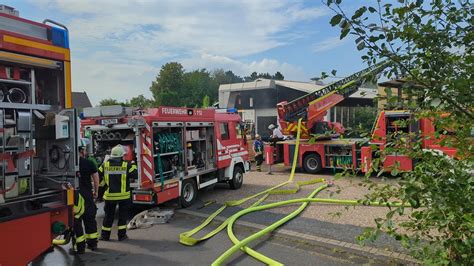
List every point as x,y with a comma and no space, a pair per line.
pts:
115,176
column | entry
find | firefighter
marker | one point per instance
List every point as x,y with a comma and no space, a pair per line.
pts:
276,133
116,174
78,237
88,171
258,149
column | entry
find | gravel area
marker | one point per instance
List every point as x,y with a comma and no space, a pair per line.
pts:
350,188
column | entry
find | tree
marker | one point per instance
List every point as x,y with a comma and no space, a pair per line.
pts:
265,75
364,118
225,77
196,85
174,86
429,44
141,102
252,77
108,101
166,88
232,78
278,76
219,76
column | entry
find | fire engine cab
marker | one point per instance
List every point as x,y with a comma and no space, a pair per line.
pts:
177,150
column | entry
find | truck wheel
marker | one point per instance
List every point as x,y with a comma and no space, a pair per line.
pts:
237,178
188,193
312,163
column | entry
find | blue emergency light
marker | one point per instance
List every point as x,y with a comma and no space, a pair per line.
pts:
232,110
60,37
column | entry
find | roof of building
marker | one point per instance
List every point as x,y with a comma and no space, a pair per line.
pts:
298,85
399,83
259,84
80,99
365,93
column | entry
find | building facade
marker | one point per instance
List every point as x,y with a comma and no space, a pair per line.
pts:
256,101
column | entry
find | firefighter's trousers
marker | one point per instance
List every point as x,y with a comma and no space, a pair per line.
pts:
109,209
78,239
259,161
90,224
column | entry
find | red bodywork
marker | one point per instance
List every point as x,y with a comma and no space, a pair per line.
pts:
328,161
316,111
226,149
30,236
24,237
403,162
355,157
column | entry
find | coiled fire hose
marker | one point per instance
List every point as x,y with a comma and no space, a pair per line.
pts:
187,239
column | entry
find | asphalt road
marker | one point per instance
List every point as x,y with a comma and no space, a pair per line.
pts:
159,245
341,232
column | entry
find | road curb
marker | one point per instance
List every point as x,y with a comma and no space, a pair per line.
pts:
327,242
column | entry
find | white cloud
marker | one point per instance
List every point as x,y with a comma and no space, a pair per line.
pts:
212,62
111,39
119,81
328,44
230,28
122,81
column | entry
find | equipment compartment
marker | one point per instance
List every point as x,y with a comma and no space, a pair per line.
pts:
34,158
200,148
168,152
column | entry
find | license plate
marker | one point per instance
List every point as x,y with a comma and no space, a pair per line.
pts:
109,121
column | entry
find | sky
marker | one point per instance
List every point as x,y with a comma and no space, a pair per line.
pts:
118,46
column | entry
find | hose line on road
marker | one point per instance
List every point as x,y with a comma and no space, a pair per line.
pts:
187,239
241,244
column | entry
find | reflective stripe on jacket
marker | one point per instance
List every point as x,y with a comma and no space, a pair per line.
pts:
116,176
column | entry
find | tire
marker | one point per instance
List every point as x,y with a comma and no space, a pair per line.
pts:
188,193
237,178
312,163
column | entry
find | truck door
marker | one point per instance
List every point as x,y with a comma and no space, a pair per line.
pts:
224,133
223,140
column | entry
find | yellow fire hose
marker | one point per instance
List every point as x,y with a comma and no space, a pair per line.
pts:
187,239
62,241
58,242
241,244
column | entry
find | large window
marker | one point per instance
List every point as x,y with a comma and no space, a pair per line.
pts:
224,127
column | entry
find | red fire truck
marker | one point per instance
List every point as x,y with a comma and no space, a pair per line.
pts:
319,149
38,136
387,123
177,150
